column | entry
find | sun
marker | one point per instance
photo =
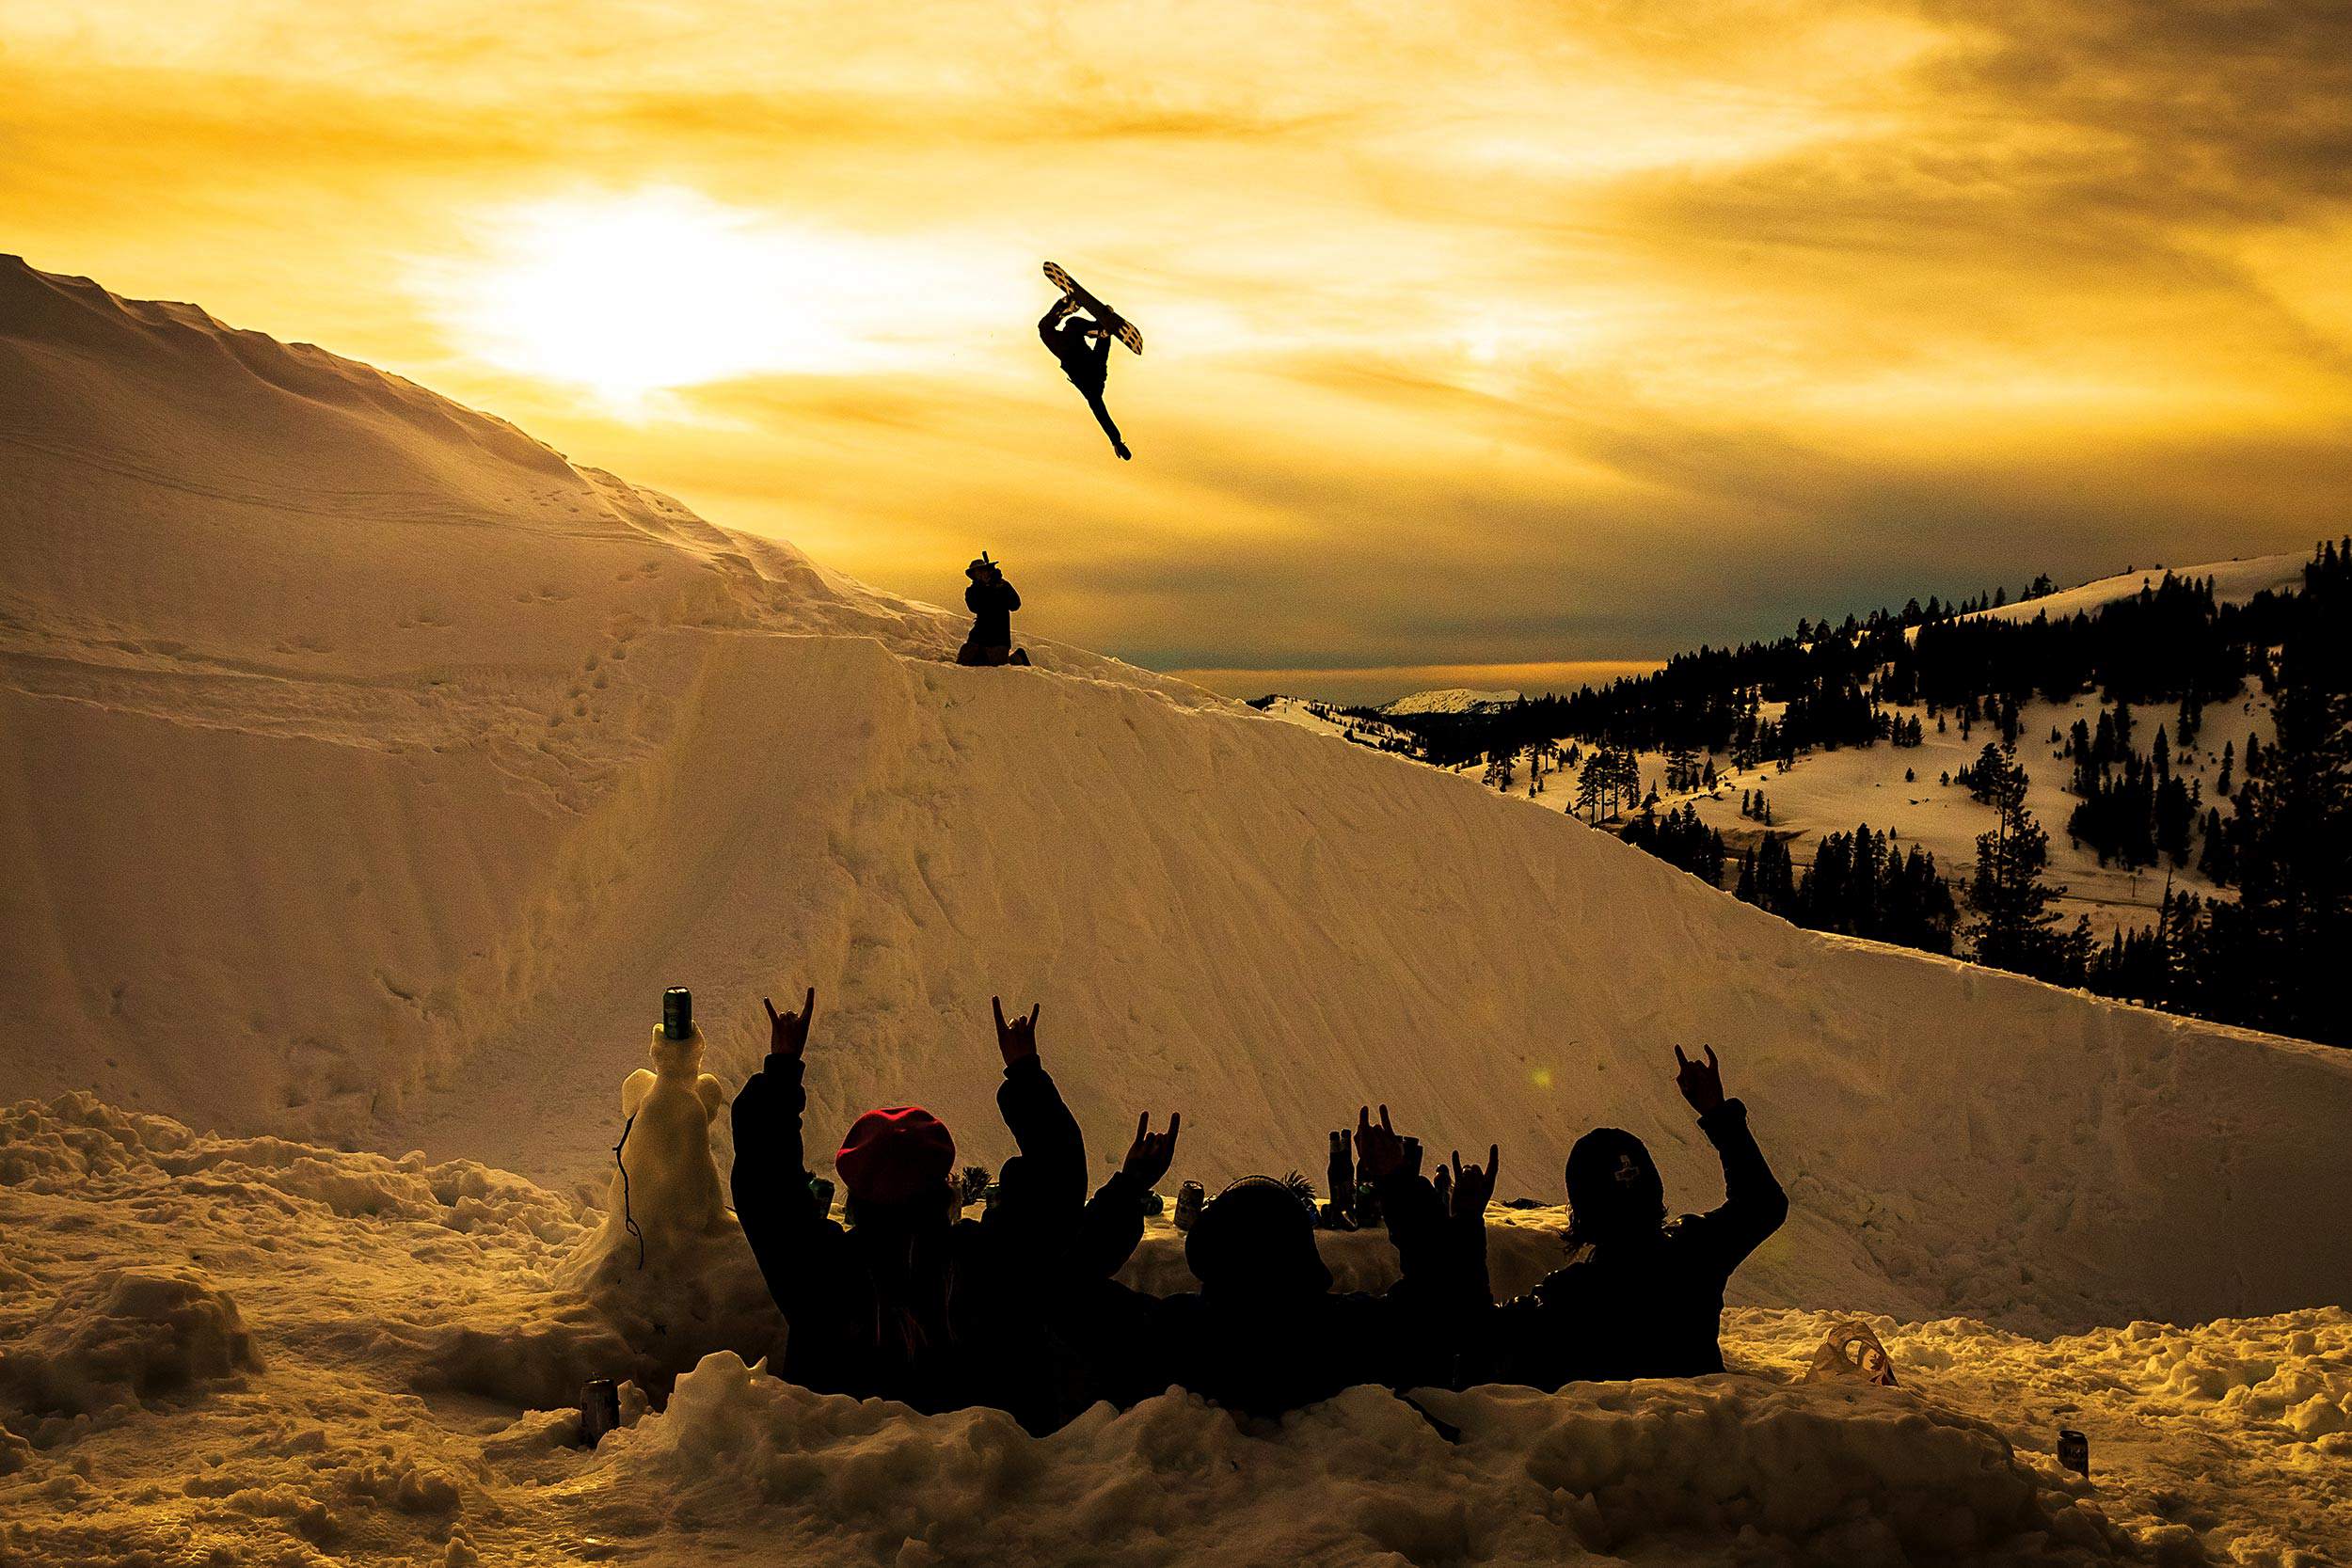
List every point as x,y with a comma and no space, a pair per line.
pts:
627,296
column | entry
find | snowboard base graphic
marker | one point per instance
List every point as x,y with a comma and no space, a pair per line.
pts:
1121,329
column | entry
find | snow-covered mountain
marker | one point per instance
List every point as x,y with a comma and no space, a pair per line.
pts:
373,768
1323,718
2234,581
1455,699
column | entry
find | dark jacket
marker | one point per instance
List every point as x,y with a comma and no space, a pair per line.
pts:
1266,1352
1085,359
1648,1307
991,605
938,1316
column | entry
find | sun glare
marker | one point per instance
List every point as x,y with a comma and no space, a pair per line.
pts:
630,296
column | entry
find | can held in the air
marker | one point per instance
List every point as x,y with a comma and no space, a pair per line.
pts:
599,1410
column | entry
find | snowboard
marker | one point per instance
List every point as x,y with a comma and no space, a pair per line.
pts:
1121,329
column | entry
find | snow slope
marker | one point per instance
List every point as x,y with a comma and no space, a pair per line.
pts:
1323,719
1833,791
2234,582
371,768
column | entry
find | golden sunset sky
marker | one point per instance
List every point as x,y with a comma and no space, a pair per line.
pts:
1489,343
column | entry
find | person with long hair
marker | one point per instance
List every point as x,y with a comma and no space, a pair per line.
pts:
908,1301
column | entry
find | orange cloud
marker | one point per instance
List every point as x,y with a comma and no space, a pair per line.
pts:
1490,337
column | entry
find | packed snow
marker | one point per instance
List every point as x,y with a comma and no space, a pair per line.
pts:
399,1385
374,769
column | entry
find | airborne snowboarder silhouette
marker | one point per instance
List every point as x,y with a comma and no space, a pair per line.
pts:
1080,330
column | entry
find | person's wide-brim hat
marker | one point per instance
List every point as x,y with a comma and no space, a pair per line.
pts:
983,564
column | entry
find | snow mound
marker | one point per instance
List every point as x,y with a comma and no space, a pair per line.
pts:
1452,700
392,764
124,1337
419,1407
2291,1375
1717,1470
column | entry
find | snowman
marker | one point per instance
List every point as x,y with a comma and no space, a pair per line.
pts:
668,1184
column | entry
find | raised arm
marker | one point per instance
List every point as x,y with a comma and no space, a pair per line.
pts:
1754,1203
795,1241
1427,1263
1113,1222
1045,1185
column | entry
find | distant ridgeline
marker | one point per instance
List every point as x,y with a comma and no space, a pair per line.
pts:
2269,959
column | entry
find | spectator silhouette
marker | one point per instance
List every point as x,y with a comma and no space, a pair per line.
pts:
1640,1296
991,601
910,1302
1265,1333
1083,345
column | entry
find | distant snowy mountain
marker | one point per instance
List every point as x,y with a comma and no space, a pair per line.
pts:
2234,581
1452,700
1325,719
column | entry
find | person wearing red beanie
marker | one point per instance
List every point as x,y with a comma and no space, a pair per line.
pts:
909,1302
896,1155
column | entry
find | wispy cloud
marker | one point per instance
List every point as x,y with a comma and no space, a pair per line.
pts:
1492,336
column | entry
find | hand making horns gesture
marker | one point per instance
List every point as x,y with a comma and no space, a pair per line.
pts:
787,1033
1150,1155
1379,1150
1017,1041
1473,1187
1701,1085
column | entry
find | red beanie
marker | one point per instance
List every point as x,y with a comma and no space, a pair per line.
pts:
895,1154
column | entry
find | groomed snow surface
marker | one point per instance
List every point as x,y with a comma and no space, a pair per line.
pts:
370,768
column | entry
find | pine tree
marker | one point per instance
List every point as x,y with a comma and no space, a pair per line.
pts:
1592,784
2012,929
2294,917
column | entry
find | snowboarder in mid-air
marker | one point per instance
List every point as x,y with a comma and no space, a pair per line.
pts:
1080,330
1083,345
991,601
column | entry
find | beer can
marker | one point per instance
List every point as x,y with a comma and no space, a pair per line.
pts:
2074,1451
599,1410
1189,1200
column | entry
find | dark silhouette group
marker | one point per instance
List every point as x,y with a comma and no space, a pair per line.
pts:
903,1299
